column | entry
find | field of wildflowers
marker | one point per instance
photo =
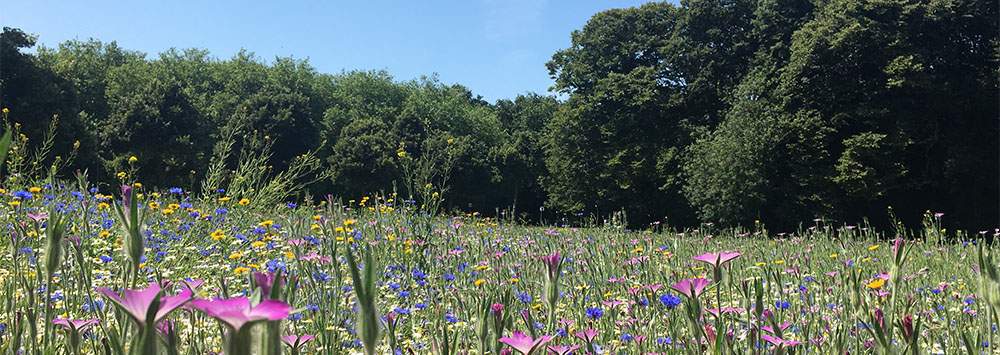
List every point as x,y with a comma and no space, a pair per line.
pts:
167,272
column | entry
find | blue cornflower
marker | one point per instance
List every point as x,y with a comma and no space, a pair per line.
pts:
594,312
670,300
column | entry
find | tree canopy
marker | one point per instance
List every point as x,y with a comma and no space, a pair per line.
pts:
727,111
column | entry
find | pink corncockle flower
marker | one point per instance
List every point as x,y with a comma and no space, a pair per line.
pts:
692,288
727,310
635,261
552,263
587,335
266,282
296,341
562,350
37,217
137,303
831,274
780,342
295,242
611,304
717,259
524,344
166,327
781,327
653,288
77,325
236,312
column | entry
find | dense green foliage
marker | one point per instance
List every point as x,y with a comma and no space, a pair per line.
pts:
727,111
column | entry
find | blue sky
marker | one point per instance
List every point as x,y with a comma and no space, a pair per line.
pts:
496,48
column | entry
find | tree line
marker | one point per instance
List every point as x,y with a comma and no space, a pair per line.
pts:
728,111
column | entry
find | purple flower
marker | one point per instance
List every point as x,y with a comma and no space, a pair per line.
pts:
717,259
587,335
525,344
126,198
236,312
265,281
692,287
77,325
780,342
295,341
562,350
136,303
552,263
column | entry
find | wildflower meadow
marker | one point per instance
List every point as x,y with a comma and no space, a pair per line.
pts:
140,271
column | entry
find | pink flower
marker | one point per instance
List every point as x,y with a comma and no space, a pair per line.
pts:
37,217
717,259
295,341
692,287
552,263
265,281
137,303
525,344
780,342
587,335
77,325
562,350
236,312
780,327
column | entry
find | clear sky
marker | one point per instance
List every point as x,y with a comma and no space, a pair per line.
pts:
497,48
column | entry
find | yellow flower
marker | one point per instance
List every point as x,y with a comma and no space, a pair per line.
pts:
121,175
873,247
105,234
154,205
102,206
536,306
339,229
218,235
289,255
132,159
34,189
761,264
167,211
137,185
244,202
349,222
779,262
235,255
240,270
14,203
223,199
480,282
832,256
514,280
258,244
266,223
876,284
401,154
